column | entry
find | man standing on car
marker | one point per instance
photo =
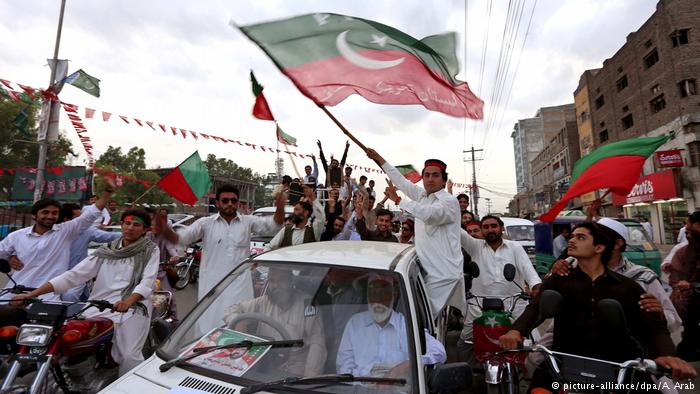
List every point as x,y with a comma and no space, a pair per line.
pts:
437,220
225,243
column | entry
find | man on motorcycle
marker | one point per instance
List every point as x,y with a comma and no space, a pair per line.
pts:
124,271
491,254
578,326
43,250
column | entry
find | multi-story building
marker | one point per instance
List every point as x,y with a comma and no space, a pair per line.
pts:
648,88
529,140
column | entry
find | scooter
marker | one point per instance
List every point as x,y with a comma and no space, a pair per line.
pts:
188,268
501,371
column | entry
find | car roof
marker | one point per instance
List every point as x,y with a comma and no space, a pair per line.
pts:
287,209
362,254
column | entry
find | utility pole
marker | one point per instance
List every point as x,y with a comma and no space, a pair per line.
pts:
43,134
474,189
488,205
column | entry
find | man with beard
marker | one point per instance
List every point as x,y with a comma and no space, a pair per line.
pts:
289,307
436,213
124,272
491,254
334,172
383,230
684,274
336,230
301,230
43,250
374,342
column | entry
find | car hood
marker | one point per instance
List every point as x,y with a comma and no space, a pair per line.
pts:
147,378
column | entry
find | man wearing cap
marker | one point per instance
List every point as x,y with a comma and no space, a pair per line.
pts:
655,298
437,222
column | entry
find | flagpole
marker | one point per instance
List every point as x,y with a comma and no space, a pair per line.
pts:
43,142
294,164
133,204
340,125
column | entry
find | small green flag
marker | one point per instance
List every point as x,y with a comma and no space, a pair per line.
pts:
81,80
285,138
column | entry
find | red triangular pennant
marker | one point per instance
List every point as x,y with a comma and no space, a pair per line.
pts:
124,118
106,116
138,121
150,124
89,113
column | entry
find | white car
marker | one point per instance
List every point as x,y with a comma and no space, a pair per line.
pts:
523,232
297,306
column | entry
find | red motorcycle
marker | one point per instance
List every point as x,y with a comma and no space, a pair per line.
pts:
58,339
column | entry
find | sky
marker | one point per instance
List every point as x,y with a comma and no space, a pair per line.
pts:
179,63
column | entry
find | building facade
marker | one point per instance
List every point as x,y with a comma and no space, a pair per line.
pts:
649,88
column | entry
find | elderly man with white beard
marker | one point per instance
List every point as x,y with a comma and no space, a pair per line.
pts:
375,342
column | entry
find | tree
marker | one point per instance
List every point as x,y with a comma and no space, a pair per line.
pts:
229,169
132,164
18,131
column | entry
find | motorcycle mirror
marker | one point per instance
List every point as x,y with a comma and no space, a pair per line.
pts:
473,269
613,315
5,266
550,304
509,272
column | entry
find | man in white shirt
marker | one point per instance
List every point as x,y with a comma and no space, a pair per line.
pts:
311,175
437,221
492,254
375,342
124,271
302,230
225,243
43,250
105,219
561,242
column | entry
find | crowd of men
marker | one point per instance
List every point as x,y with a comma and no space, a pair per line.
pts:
445,234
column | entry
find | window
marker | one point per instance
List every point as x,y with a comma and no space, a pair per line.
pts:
619,69
627,122
694,153
647,44
658,104
651,59
584,116
602,124
600,101
687,87
603,136
625,108
621,83
655,89
679,37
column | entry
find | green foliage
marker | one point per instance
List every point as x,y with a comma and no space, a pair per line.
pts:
229,169
16,136
133,164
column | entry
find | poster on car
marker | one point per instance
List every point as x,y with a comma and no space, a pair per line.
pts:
233,361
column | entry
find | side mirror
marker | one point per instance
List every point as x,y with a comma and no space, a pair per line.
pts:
550,304
613,315
450,378
5,266
509,272
472,269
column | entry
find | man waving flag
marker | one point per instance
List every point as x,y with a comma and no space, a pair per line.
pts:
330,57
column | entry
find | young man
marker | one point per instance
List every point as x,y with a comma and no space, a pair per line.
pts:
474,229
407,232
382,233
436,213
302,230
43,250
578,329
334,172
124,271
311,173
463,200
114,214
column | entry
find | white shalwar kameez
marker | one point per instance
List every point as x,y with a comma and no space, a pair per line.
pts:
111,277
436,239
224,246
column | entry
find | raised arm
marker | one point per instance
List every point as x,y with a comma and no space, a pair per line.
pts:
440,212
324,163
411,190
92,213
345,154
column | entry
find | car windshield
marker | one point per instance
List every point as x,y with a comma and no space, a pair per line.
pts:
324,306
521,233
638,238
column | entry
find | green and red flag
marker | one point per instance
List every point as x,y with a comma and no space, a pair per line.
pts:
188,182
285,138
409,173
614,166
261,109
330,57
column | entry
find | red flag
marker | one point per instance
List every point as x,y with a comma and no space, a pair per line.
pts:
174,130
261,109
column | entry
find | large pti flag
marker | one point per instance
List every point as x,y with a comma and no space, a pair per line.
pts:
615,166
87,83
330,57
285,138
188,182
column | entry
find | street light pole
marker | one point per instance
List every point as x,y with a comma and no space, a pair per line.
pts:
43,134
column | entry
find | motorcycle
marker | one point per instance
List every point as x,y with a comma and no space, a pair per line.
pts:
188,268
501,370
10,319
163,320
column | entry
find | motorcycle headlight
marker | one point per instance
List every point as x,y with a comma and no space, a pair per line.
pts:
34,335
189,250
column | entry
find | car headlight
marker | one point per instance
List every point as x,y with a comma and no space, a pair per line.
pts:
34,335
